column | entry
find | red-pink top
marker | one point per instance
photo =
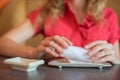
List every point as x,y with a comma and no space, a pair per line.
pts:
81,34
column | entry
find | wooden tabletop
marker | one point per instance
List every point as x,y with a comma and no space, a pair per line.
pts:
45,72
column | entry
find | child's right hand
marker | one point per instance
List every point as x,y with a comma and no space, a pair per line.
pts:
54,45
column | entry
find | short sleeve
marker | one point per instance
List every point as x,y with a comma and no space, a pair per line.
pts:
32,17
114,28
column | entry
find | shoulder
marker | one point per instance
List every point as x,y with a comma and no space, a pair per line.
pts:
109,13
35,12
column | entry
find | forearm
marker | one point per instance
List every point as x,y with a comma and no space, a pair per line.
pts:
11,49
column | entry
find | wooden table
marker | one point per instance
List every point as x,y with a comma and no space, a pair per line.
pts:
53,73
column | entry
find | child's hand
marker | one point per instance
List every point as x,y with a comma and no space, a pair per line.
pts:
101,51
54,45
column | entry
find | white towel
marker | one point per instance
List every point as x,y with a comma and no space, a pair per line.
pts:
76,54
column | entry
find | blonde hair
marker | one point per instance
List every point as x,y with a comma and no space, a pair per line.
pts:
55,8
95,8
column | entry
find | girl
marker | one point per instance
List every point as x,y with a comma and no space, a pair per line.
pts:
83,23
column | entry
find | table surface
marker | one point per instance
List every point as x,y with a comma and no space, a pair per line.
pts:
45,72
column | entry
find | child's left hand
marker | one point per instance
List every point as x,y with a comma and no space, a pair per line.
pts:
101,51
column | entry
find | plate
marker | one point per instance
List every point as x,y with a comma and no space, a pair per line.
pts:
65,63
23,64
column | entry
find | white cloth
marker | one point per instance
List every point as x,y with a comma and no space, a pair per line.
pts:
76,54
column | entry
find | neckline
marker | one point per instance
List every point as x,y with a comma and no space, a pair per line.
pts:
87,22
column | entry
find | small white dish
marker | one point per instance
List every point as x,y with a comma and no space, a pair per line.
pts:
23,64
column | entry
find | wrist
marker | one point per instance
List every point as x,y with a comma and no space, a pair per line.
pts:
32,53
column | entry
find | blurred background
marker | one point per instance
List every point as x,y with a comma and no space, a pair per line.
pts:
13,12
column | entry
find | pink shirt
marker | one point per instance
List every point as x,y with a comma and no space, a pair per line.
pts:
81,34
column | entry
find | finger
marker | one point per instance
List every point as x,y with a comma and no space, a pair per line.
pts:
41,48
61,41
97,49
100,55
68,41
45,42
94,44
105,59
48,50
104,53
56,47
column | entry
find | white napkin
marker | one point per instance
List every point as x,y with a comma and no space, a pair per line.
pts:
76,54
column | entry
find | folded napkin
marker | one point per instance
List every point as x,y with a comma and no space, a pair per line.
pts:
76,54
